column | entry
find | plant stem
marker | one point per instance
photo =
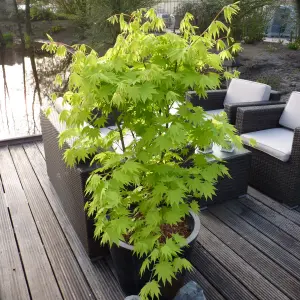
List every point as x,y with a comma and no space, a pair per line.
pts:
120,131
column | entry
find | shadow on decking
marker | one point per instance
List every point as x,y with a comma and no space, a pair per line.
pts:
247,248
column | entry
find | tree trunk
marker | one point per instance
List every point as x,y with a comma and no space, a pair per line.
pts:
298,20
2,41
27,20
19,22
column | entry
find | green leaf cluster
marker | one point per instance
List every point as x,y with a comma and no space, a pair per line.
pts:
142,181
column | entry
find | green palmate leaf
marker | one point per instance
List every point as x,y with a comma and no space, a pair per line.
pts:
164,142
207,190
153,218
169,249
151,289
121,177
117,99
110,236
181,264
147,91
159,190
58,81
47,111
173,216
113,198
179,240
175,197
121,225
195,207
154,255
61,51
164,272
141,248
145,266
214,29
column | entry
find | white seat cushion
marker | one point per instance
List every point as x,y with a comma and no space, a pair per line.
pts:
290,117
276,142
240,91
214,112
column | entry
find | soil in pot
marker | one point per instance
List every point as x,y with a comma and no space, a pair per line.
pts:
128,265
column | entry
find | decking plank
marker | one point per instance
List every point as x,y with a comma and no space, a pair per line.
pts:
12,278
210,291
240,269
41,280
293,215
272,216
96,274
264,265
227,285
284,240
259,240
40,146
69,276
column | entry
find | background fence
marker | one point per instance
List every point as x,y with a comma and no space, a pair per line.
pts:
169,7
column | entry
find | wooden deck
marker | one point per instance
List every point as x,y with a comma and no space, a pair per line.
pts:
247,248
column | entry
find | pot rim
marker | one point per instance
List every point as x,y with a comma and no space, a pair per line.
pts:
189,239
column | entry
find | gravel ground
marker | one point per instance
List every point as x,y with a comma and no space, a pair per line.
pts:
273,64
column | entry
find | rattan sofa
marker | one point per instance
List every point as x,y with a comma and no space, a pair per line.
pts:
275,173
216,99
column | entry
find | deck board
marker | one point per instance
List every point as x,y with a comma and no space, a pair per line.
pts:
285,224
40,146
237,266
226,284
247,248
39,274
293,215
70,278
280,237
260,262
12,278
97,275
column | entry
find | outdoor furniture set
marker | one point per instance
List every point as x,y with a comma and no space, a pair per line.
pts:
272,166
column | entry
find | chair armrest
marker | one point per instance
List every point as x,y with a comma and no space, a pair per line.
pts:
275,95
257,118
231,108
215,99
295,156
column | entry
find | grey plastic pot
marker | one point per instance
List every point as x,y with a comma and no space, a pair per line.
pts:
127,265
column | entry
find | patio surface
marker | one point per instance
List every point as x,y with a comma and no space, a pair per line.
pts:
247,248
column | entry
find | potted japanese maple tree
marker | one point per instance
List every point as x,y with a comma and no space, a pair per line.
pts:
148,164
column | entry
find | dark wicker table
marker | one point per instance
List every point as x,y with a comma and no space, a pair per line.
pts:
238,162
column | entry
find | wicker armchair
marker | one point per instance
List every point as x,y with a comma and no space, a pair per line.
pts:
69,184
215,101
275,174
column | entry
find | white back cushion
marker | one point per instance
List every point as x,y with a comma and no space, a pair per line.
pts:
290,117
241,90
276,142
